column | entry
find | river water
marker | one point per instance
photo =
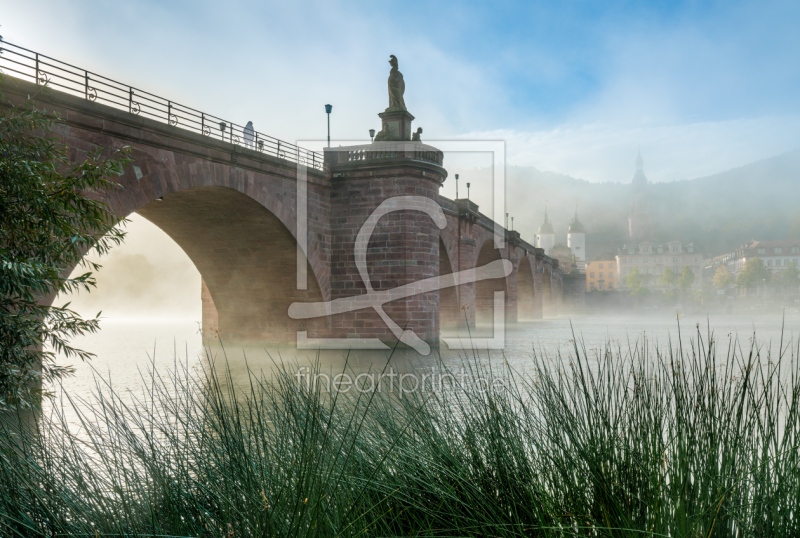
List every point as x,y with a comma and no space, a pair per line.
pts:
127,350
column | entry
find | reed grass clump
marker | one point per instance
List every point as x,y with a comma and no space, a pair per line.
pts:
695,439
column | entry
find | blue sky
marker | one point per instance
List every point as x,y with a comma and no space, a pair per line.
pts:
573,87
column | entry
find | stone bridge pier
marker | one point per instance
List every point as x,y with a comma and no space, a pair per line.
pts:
403,249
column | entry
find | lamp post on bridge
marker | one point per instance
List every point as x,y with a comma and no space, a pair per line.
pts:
456,186
467,190
328,109
371,135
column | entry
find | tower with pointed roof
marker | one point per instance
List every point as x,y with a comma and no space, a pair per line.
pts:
576,241
546,238
640,226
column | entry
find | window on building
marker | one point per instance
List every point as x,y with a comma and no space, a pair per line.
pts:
674,248
778,250
591,275
761,250
795,250
769,263
601,266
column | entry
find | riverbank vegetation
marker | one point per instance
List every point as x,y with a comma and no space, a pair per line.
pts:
700,438
51,214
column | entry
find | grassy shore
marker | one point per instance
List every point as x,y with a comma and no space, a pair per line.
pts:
700,439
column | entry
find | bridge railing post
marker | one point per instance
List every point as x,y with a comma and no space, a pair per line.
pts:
86,84
37,69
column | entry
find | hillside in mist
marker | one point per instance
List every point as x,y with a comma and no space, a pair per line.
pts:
718,212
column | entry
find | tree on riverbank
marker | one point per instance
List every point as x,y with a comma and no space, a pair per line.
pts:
754,274
51,214
722,278
636,284
668,278
686,279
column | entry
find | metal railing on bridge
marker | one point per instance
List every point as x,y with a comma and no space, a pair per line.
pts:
43,70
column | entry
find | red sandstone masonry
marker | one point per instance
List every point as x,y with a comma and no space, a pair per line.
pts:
233,211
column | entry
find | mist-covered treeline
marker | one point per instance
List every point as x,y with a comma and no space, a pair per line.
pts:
719,212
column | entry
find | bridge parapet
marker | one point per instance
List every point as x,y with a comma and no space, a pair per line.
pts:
44,71
383,150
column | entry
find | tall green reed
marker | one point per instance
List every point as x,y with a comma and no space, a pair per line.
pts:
695,438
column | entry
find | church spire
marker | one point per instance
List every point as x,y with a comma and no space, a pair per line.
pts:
576,227
639,161
546,227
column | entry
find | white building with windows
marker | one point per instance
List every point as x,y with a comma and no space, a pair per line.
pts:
776,255
652,260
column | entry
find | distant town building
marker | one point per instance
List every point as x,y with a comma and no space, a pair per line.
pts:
576,241
776,255
653,260
546,238
640,226
601,275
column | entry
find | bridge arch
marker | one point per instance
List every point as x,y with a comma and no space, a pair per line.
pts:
548,302
156,173
526,295
236,220
485,289
450,316
246,257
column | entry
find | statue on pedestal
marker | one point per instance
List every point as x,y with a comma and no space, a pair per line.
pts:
395,120
416,136
397,86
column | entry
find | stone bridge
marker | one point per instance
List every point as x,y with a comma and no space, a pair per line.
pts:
234,211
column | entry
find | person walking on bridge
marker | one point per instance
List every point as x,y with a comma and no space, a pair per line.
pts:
248,134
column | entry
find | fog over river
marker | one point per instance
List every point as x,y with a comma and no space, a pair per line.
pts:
126,349
149,293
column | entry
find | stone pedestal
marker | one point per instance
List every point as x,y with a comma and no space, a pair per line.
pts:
397,123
